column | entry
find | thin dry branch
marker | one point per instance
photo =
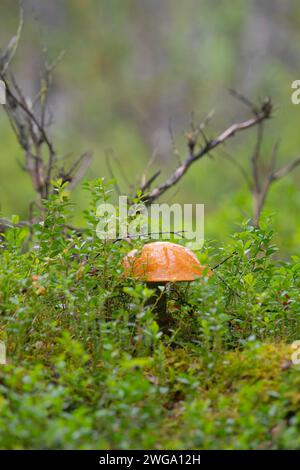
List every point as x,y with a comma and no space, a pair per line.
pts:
27,119
194,155
285,170
8,54
261,181
145,186
256,157
30,127
77,171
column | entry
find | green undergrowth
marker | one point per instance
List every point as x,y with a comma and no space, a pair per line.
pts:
89,367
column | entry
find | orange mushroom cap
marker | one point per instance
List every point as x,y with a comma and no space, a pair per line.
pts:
163,262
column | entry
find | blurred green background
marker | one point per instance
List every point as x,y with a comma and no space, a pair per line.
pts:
133,66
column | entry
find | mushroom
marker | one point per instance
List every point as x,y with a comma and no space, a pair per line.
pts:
161,263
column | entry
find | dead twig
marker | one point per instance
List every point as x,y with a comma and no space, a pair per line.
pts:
259,181
194,155
28,121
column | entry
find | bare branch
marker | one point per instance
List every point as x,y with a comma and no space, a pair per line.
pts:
144,182
263,114
7,56
256,156
29,126
274,156
243,99
148,183
77,171
285,170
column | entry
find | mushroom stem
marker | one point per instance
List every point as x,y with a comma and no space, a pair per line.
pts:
159,303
